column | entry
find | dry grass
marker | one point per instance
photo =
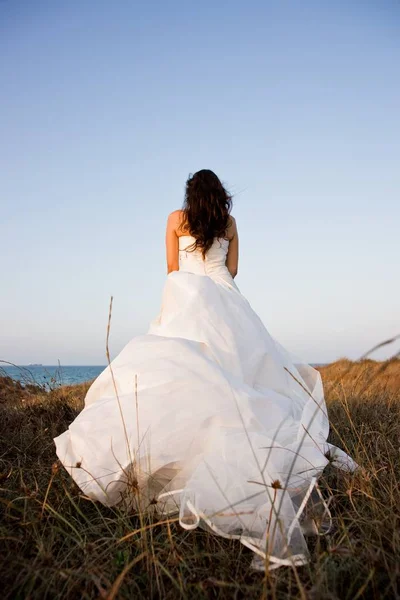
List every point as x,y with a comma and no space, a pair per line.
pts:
55,543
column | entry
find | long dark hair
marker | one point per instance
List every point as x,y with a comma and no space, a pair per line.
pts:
206,209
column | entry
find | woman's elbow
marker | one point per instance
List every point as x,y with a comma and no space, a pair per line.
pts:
172,267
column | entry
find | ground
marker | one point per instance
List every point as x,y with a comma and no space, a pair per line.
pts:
56,543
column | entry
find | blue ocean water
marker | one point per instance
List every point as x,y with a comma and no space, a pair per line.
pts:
51,376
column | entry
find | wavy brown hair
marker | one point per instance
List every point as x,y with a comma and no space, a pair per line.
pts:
206,209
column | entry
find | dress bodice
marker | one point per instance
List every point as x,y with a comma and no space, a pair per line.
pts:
212,265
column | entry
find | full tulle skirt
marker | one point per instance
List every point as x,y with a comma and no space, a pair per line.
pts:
210,417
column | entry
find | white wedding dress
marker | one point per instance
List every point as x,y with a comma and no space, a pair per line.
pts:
208,416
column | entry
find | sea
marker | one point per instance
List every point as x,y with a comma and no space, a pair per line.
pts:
50,375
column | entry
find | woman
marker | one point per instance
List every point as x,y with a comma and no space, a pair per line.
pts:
207,414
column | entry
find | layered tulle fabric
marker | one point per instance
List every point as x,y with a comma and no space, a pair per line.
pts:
209,416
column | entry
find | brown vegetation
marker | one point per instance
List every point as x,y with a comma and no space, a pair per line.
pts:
55,543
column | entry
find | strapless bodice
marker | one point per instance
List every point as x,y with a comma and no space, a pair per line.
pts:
212,265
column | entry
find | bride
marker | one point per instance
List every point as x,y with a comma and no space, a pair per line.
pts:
207,415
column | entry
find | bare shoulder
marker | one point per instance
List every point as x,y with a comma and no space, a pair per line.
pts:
175,219
176,215
232,228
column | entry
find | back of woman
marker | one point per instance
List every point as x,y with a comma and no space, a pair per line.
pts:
207,415
204,223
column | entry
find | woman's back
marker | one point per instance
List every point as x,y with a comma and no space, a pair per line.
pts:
205,218
184,254
222,406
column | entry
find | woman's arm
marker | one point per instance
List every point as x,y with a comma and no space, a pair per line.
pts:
232,258
172,243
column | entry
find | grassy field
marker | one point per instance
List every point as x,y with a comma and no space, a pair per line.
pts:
55,543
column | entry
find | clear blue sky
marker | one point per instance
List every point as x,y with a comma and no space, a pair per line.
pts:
106,107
